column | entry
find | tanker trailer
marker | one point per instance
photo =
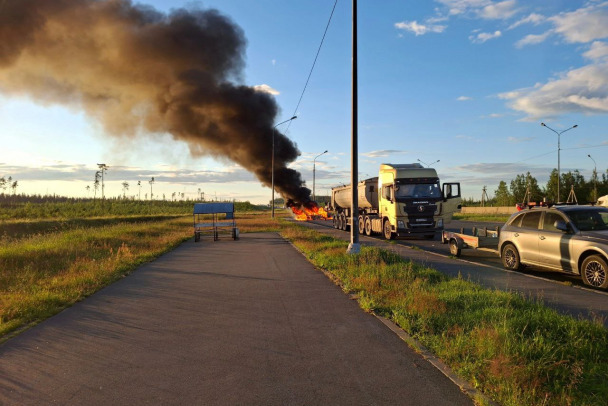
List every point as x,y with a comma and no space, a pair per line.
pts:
404,200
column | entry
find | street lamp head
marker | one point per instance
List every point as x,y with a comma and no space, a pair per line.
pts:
575,125
294,117
543,124
325,152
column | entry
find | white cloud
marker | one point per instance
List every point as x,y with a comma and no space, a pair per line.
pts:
419,29
464,98
531,19
485,9
583,90
266,89
597,51
533,39
484,36
583,25
383,153
498,11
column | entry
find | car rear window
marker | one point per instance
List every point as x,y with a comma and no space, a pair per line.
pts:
531,220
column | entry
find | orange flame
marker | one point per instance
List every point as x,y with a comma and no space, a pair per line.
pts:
312,212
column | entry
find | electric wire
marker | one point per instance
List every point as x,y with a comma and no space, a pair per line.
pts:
314,63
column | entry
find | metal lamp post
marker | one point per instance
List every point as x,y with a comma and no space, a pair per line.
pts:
594,179
274,129
314,163
559,133
428,165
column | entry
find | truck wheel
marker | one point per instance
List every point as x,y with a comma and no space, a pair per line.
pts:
593,272
368,226
454,248
345,225
361,225
388,232
334,220
510,258
339,222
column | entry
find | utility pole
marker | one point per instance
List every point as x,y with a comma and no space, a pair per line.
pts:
354,247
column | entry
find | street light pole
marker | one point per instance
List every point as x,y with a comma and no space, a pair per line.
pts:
354,247
559,133
274,129
594,179
314,163
428,165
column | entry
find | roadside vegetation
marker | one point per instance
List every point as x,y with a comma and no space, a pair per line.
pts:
513,349
495,218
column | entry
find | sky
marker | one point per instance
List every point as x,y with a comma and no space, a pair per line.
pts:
461,85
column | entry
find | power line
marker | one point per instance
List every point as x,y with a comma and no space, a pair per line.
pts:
553,152
314,63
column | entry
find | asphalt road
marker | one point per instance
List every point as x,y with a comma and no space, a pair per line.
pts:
246,322
564,293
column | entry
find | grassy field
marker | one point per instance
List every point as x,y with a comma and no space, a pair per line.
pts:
516,351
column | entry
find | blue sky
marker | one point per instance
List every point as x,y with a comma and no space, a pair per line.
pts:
465,82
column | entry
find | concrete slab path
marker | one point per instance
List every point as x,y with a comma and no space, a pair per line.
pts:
246,322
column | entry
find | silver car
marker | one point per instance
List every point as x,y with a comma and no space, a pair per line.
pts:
572,239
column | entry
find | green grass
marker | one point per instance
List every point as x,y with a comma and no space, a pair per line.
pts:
497,218
516,351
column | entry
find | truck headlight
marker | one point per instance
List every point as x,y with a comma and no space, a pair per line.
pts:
440,223
400,224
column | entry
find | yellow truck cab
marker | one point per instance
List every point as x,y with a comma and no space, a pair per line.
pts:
412,201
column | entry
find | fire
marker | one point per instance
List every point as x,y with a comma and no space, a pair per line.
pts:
310,211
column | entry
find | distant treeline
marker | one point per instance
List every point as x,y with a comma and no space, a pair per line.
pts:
572,181
21,206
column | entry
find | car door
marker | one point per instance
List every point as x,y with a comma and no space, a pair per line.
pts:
554,245
526,238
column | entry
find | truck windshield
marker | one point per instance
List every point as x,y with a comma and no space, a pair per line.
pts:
419,190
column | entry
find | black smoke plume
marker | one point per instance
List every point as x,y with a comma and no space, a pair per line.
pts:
136,69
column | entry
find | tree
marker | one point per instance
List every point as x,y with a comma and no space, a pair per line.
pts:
14,187
577,181
502,195
88,188
125,187
551,187
3,184
151,182
523,183
96,183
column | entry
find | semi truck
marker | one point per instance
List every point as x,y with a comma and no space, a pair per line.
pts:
404,200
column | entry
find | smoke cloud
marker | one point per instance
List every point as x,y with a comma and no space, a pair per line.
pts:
136,69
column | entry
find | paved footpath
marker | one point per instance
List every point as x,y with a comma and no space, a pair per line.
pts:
246,322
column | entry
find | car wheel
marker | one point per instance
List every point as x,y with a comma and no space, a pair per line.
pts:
510,258
594,272
388,232
368,226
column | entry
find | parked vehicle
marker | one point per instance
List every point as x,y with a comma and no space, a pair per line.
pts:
571,239
405,199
